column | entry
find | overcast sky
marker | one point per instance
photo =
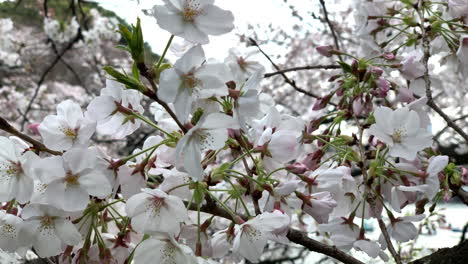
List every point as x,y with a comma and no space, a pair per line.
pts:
261,12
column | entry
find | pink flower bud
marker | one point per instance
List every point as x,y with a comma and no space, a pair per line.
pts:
384,87
464,175
377,71
297,168
325,50
34,128
388,56
358,106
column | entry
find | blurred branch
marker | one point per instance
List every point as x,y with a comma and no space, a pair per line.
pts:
309,67
58,57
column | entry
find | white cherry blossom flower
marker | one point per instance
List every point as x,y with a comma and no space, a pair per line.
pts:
154,211
319,206
252,236
164,250
401,131
16,172
111,119
66,129
191,79
209,133
241,66
343,232
47,229
9,229
401,229
412,66
193,20
72,177
431,183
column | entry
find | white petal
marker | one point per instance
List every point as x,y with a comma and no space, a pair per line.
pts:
215,21
67,232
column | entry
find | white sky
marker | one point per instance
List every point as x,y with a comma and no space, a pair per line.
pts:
261,12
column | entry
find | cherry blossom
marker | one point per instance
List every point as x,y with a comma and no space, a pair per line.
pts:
163,250
9,228
66,129
430,180
153,210
112,110
16,172
193,20
47,229
401,131
210,133
72,177
191,79
251,236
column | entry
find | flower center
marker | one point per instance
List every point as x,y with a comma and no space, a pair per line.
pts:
155,205
71,179
8,230
47,222
191,10
251,232
190,81
12,169
71,133
242,63
396,136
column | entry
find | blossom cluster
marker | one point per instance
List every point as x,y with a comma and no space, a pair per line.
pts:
225,173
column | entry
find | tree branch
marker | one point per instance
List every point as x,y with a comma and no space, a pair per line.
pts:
293,235
5,126
454,255
46,72
308,67
427,80
330,25
286,79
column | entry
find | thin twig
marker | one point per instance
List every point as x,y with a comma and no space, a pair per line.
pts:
427,79
286,79
47,71
301,68
330,25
